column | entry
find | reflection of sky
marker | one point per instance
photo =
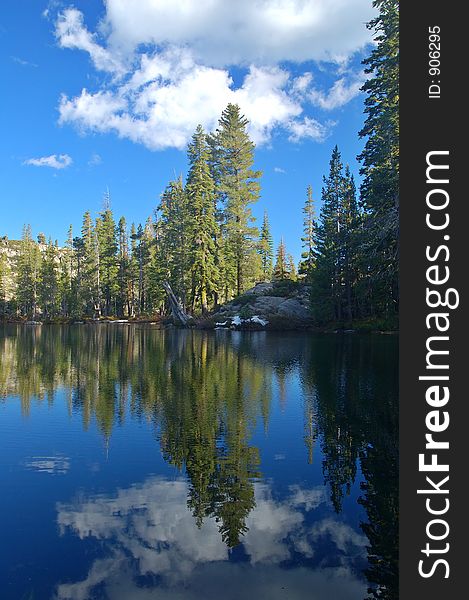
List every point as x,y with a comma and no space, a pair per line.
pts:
97,534
150,535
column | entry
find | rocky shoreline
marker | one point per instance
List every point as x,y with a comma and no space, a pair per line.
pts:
265,307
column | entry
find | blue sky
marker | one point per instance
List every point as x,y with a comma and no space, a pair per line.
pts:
106,95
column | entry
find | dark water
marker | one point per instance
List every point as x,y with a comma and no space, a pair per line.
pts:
140,464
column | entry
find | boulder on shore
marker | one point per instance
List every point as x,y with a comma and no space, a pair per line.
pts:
267,304
260,288
291,307
260,308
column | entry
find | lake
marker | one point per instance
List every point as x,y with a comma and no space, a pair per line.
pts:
139,463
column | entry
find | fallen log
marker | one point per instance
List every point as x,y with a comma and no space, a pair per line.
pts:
177,311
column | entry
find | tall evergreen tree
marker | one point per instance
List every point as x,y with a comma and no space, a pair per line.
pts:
219,257
174,230
49,290
337,267
266,249
281,270
27,279
66,274
5,277
291,268
3,284
380,157
157,271
348,241
239,188
200,191
139,253
327,278
309,236
107,252
149,293
77,304
124,270
143,239
134,270
90,270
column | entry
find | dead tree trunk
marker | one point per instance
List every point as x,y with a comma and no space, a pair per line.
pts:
176,309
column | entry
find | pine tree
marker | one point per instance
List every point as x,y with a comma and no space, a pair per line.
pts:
336,275
27,269
200,192
90,270
266,249
77,302
124,270
142,247
348,241
157,269
291,268
134,271
107,251
214,168
5,276
327,276
281,271
309,236
380,157
138,252
49,291
149,235
65,275
239,188
174,230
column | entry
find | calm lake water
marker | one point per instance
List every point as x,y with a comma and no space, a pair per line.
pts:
142,464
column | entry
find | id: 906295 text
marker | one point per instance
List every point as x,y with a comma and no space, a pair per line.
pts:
434,63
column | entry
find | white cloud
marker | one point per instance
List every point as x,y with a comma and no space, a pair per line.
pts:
301,83
169,65
255,31
22,62
71,33
279,170
95,160
264,100
55,161
309,128
51,9
340,93
345,88
169,95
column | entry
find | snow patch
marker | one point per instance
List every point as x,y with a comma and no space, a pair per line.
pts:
256,319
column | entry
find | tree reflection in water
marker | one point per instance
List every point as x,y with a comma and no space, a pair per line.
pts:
206,393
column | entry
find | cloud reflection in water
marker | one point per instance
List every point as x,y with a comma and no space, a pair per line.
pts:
54,465
150,535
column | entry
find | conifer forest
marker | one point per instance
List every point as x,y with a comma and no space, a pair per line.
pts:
204,241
